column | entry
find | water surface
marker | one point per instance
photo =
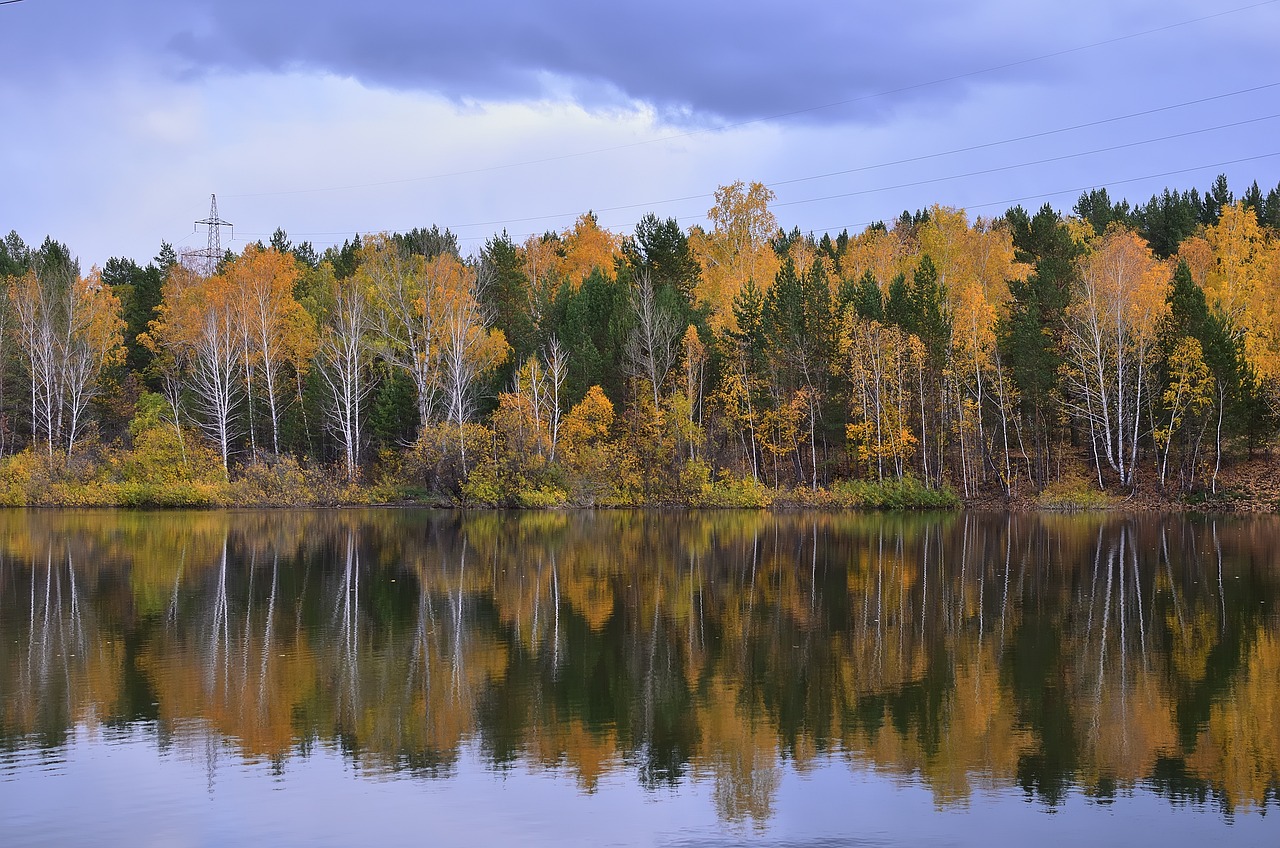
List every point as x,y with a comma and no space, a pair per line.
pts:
404,676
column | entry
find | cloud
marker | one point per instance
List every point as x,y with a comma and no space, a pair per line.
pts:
122,118
701,61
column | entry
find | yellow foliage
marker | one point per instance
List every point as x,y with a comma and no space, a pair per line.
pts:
736,250
587,247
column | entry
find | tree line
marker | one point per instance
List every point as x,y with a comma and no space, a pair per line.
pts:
716,365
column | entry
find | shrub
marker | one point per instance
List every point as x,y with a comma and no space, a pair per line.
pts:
907,493
541,498
730,492
1073,493
280,483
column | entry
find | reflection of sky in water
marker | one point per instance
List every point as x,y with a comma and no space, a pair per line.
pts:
113,789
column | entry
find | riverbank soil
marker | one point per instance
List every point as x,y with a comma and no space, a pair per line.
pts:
1250,485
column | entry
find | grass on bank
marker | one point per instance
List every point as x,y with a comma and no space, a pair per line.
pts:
161,471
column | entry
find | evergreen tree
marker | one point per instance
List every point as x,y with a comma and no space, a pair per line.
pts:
506,294
1165,221
862,297
139,292
1029,336
1218,196
593,323
748,314
1095,206
661,249
14,256
928,303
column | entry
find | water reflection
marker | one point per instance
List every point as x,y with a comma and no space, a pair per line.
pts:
968,652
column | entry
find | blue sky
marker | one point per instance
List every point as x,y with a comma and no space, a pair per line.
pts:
330,118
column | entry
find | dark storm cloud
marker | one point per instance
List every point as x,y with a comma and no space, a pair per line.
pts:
695,61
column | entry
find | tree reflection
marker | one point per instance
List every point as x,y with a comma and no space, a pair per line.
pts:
968,651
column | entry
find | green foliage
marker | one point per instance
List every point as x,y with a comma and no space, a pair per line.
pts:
661,249
907,493
393,411
1095,206
1168,219
507,294
863,297
14,256
482,487
897,306
929,306
1073,493
593,323
139,292
730,492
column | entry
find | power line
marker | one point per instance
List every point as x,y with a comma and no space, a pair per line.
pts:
1028,137
998,203
1049,160
860,192
723,127
1007,203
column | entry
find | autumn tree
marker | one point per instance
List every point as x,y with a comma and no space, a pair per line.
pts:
654,344
1111,334
589,455
407,292
1242,283
345,357
587,247
197,325
975,267
736,249
469,347
278,333
69,331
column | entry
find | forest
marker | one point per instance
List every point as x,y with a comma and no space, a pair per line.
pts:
1034,357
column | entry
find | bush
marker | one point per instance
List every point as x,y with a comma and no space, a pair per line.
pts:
482,487
541,498
730,492
907,493
1073,493
280,483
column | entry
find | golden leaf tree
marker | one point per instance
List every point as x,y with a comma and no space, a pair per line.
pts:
1111,334
197,325
278,333
69,331
736,249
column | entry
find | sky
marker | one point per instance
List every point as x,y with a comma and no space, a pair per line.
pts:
328,118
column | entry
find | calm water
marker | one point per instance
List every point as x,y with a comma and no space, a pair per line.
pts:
446,678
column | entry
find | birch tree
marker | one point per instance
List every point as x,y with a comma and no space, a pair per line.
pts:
69,331
1111,333
654,344
278,333
407,291
469,349
197,323
345,357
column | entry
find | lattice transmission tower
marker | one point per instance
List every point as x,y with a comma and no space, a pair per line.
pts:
212,254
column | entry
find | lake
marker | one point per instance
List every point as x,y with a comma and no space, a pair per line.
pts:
398,677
